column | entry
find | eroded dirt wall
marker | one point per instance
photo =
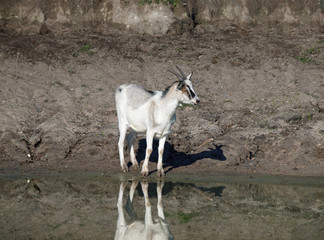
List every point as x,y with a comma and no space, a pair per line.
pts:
153,18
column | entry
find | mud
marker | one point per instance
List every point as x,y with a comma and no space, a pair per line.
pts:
261,92
85,206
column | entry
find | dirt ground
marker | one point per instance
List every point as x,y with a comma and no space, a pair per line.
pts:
261,92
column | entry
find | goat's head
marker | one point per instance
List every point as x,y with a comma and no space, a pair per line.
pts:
185,91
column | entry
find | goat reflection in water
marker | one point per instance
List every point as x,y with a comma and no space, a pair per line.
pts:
149,229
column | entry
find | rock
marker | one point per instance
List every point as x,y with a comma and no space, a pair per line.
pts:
294,118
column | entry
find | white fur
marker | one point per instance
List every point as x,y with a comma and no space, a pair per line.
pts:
147,229
140,111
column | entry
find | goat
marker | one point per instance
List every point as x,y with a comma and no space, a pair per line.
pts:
136,229
153,113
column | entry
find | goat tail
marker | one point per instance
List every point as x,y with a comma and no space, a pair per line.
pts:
118,99
118,92
121,87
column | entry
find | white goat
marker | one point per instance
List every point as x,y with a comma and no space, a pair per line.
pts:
136,229
153,113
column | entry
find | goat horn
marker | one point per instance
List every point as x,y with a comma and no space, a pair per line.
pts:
177,74
182,73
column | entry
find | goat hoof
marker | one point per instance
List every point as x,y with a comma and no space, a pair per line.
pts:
144,174
124,169
160,173
136,165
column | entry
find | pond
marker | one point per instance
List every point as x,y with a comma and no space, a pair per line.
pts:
99,206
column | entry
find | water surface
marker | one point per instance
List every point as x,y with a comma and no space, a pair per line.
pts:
104,207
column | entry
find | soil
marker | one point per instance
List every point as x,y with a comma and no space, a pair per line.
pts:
261,92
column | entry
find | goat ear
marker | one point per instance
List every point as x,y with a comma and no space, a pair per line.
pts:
180,85
190,75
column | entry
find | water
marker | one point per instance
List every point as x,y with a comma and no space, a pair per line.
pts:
101,206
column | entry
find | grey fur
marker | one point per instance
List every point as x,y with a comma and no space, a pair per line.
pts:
137,95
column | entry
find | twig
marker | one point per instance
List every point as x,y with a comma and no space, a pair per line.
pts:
205,142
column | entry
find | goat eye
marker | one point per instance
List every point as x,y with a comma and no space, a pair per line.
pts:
180,85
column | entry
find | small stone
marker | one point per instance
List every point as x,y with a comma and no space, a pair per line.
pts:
214,60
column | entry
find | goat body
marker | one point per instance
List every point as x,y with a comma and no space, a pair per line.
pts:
152,113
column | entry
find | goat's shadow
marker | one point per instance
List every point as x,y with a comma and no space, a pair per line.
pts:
168,187
173,159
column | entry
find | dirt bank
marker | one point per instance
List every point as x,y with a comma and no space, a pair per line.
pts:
154,17
261,91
